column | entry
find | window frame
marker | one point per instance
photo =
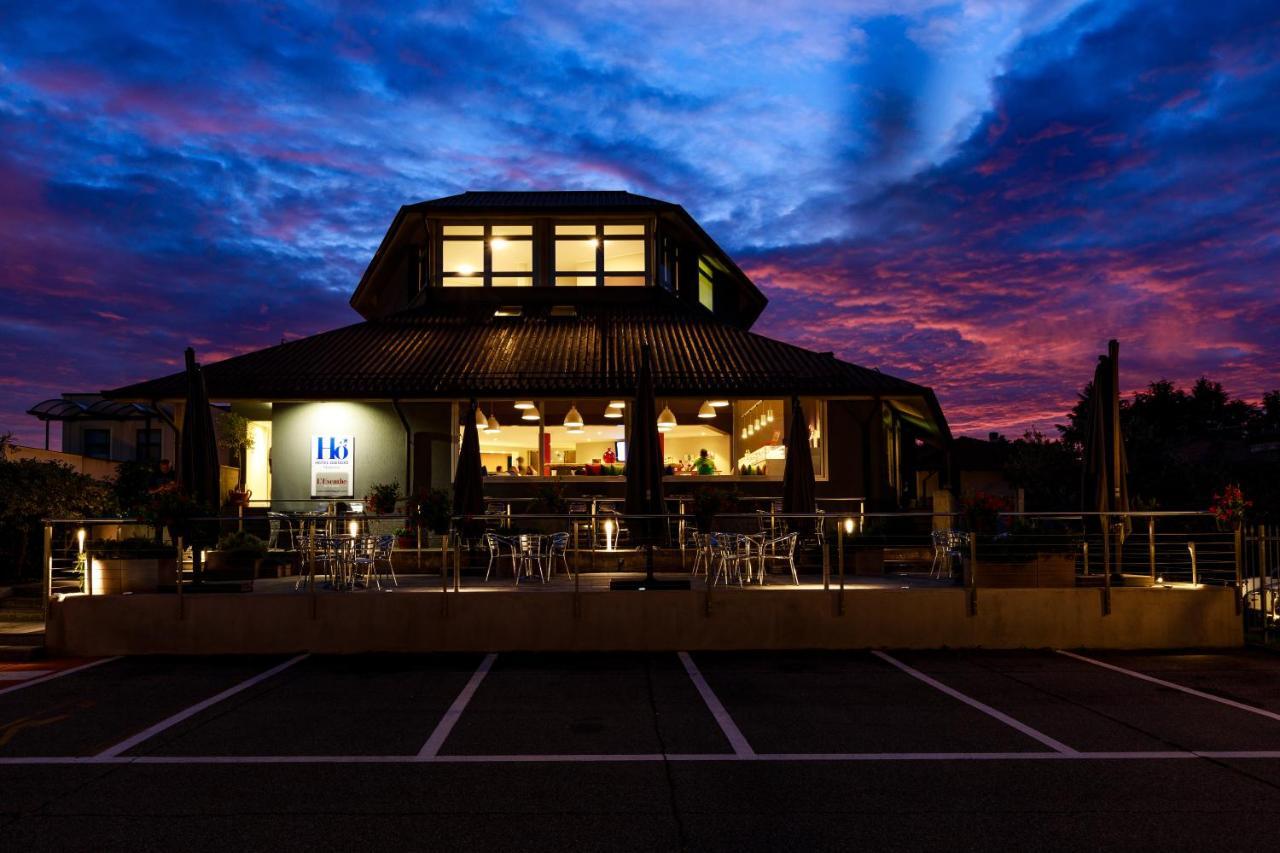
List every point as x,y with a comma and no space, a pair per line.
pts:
600,274
487,276
84,441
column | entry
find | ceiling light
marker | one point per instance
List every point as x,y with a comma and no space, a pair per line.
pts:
744,433
666,420
617,404
613,410
719,404
466,269
531,414
481,421
769,416
706,410
593,242
494,428
524,404
573,420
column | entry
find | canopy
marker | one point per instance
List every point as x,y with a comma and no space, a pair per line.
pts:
798,484
644,456
468,482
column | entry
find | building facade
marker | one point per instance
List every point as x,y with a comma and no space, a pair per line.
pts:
535,305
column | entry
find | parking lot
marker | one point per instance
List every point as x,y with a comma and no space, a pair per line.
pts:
776,750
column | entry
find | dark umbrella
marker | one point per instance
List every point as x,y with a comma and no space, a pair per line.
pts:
644,470
1105,486
198,456
468,483
798,483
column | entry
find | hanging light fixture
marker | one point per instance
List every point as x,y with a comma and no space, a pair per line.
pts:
614,409
718,404
666,420
531,413
573,420
493,427
745,433
769,416
524,404
481,421
706,410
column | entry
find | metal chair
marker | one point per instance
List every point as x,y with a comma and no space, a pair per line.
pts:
495,543
948,545
373,554
557,546
781,549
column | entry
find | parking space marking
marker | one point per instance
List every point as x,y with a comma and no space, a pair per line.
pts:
1055,745
431,748
597,758
1262,712
57,674
147,733
23,674
731,731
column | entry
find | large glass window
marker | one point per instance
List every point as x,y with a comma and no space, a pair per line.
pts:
487,255
587,255
588,438
147,445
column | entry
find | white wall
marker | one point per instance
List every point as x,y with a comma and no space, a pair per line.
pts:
379,445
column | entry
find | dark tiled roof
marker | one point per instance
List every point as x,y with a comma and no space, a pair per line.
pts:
558,199
437,353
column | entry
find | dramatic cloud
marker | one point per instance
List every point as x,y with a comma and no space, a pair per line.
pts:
974,195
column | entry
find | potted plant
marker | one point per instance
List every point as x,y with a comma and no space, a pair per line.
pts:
431,509
234,435
236,556
382,498
1229,508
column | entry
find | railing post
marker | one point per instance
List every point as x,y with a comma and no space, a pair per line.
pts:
1195,576
177,563
1151,546
46,582
973,573
1106,564
1085,546
1262,579
840,605
1238,542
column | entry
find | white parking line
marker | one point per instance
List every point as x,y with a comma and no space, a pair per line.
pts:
1055,745
129,743
57,674
1261,712
432,747
731,731
605,758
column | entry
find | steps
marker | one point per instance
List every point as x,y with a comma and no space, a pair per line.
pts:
21,623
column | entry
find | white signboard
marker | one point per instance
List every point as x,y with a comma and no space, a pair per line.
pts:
333,466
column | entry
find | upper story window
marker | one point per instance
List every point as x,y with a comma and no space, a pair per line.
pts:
487,256
706,283
591,254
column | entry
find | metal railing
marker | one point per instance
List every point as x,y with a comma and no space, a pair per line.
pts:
83,556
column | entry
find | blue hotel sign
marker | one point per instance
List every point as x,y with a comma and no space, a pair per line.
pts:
332,466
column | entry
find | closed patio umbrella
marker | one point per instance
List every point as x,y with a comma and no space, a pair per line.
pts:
468,482
644,475
798,484
198,459
1105,486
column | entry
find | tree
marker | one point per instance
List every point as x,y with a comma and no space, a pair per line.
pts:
1047,471
31,491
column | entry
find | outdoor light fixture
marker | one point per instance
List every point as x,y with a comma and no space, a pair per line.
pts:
848,526
80,538
354,527
719,404
608,534
524,404
481,421
666,420
706,410
494,428
573,420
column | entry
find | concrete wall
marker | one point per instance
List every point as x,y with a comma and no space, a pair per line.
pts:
756,619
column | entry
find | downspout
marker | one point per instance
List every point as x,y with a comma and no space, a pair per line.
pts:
408,446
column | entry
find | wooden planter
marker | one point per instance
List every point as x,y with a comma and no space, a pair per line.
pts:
145,574
1046,570
226,565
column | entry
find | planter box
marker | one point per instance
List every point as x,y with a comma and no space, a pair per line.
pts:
1046,570
112,576
868,562
219,565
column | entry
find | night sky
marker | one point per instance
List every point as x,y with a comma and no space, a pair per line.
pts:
972,195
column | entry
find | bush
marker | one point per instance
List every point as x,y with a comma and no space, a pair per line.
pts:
31,491
242,544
